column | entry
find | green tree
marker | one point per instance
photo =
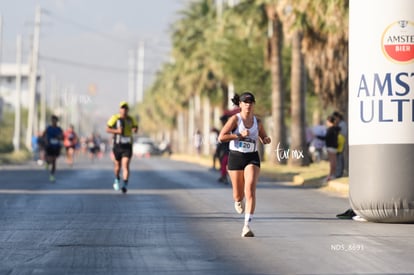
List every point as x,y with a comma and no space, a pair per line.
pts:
262,16
275,48
298,106
325,45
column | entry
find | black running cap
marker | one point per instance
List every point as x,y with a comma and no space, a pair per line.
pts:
247,97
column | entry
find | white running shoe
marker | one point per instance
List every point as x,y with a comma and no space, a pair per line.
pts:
116,185
239,206
247,232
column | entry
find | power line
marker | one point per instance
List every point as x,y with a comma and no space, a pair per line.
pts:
153,46
118,40
156,47
83,65
86,66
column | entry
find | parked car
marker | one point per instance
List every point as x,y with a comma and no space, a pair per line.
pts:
145,147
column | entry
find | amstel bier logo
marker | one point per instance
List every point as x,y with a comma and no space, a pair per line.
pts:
398,42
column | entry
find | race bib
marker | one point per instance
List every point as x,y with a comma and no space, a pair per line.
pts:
54,141
125,140
245,146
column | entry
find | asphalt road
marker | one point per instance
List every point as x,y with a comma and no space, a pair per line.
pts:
176,219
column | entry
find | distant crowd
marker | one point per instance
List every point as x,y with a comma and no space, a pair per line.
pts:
92,146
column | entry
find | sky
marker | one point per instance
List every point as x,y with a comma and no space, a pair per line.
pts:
99,33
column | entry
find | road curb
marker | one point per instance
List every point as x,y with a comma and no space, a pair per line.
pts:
337,186
341,187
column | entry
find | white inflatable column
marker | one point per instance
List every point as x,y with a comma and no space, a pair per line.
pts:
381,109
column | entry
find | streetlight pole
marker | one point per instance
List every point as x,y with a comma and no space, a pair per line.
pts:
17,108
140,73
131,77
1,39
42,123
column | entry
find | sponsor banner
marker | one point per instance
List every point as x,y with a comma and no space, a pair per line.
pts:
381,72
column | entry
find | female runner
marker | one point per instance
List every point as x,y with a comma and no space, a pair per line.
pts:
244,130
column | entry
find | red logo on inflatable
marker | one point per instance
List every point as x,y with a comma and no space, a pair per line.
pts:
398,42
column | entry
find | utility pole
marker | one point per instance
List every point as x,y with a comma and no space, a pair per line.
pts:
1,50
33,78
140,73
42,122
17,108
131,77
53,94
1,40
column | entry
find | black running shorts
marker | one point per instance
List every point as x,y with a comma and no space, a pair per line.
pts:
239,161
122,151
53,151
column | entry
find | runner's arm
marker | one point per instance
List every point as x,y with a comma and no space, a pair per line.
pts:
226,132
262,134
113,131
44,137
134,125
61,135
110,126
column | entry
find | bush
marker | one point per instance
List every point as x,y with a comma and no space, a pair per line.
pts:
6,147
15,157
6,133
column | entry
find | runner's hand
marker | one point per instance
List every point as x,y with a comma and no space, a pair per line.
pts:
244,133
266,140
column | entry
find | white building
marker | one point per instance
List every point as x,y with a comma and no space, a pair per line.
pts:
8,73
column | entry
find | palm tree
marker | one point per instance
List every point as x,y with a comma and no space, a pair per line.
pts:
263,14
193,36
275,46
325,44
233,48
293,29
298,106
258,11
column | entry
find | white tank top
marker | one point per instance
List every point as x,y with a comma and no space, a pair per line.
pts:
249,143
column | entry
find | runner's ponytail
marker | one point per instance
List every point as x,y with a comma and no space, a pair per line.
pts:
236,100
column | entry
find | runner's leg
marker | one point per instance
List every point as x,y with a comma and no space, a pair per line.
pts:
117,168
125,168
237,180
251,175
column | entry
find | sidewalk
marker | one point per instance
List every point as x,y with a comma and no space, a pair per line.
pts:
311,176
339,186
